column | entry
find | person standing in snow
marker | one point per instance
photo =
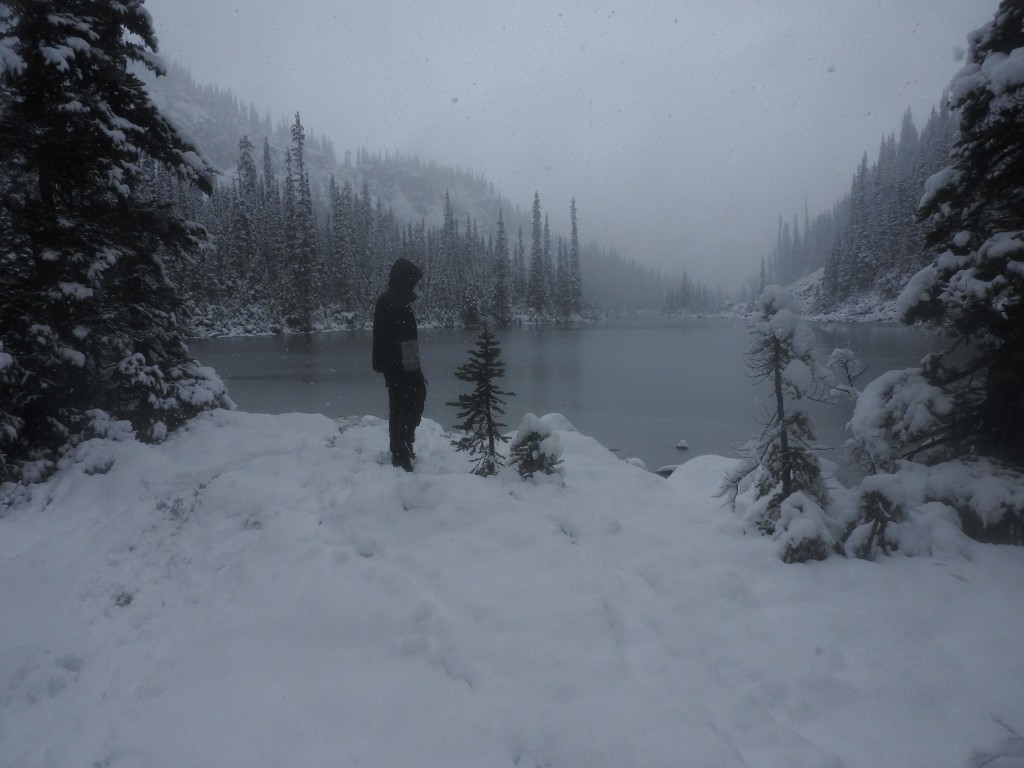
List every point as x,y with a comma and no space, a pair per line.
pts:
396,355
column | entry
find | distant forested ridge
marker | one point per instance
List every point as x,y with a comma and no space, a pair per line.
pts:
303,240
692,296
870,241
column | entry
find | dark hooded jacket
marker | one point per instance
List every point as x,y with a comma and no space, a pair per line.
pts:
394,324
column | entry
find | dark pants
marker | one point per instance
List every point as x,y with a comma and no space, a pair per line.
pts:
407,392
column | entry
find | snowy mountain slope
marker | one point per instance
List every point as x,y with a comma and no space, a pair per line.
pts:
869,307
413,189
260,591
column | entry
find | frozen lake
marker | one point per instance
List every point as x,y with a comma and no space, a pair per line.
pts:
637,386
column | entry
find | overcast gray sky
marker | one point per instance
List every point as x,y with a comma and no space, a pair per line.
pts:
682,128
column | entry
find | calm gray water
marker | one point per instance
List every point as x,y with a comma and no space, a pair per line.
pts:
639,387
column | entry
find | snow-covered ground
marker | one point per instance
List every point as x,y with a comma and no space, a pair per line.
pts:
259,591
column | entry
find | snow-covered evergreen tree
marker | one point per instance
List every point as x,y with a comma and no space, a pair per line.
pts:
549,270
575,275
342,269
562,302
946,436
780,460
241,270
88,319
271,227
974,210
535,449
501,305
304,246
519,280
480,409
537,295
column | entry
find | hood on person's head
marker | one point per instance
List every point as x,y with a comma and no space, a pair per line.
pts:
404,276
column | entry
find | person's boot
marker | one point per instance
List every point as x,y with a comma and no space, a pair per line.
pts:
402,461
409,450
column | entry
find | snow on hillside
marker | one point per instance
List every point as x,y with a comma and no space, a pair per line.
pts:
869,307
414,190
259,591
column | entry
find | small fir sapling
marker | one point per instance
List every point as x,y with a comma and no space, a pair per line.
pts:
781,354
480,409
805,531
536,448
787,477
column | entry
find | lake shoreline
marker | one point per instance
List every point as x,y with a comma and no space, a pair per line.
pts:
640,386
